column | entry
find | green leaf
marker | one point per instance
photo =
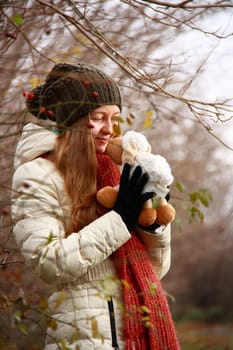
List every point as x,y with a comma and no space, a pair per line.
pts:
144,309
145,318
193,212
18,315
204,201
193,197
17,19
179,186
153,287
23,328
203,196
50,238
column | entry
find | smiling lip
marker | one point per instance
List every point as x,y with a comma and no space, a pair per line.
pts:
102,141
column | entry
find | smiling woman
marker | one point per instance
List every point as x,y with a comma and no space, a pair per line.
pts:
98,260
102,121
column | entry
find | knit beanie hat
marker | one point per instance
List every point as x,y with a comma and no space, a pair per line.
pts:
72,91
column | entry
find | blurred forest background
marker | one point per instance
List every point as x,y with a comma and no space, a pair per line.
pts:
173,61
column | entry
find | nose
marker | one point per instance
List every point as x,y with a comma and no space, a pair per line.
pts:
108,126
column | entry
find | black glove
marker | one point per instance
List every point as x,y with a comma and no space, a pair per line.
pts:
130,199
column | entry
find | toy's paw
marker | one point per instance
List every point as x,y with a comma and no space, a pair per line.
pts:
147,216
107,196
165,214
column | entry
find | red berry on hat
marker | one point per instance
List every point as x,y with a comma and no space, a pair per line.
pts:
95,94
42,109
30,96
50,113
86,83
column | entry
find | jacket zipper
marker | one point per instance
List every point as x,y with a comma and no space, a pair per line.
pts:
113,324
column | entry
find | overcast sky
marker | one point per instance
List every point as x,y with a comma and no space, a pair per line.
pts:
215,80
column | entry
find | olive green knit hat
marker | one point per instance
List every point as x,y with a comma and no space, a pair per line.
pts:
72,91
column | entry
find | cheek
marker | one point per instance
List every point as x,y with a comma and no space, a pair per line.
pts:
94,128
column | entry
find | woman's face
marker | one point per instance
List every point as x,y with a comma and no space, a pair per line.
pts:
102,120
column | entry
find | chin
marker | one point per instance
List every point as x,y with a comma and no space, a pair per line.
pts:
100,150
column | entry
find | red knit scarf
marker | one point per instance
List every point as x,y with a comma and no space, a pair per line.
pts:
148,323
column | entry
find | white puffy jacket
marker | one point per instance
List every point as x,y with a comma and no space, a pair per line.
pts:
79,265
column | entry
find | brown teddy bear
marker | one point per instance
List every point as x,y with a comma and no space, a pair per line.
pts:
134,149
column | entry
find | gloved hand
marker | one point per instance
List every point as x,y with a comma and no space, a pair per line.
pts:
130,199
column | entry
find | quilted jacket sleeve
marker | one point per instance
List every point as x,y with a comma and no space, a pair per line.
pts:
158,246
40,234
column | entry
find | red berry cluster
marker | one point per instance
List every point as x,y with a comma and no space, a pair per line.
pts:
86,84
49,112
29,95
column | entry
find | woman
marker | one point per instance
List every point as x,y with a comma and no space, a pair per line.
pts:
108,296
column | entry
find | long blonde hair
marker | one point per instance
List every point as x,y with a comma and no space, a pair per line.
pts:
75,158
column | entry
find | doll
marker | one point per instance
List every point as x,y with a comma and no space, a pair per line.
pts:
134,149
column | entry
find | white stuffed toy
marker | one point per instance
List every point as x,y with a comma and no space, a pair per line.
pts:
134,148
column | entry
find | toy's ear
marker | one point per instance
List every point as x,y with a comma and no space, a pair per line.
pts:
114,150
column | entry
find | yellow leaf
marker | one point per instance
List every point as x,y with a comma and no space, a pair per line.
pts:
150,114
77,50
60,299
148,119
125,283
94,327
132,116
117,129
129,121
144,309
147,123
52,324
34,81
119,119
